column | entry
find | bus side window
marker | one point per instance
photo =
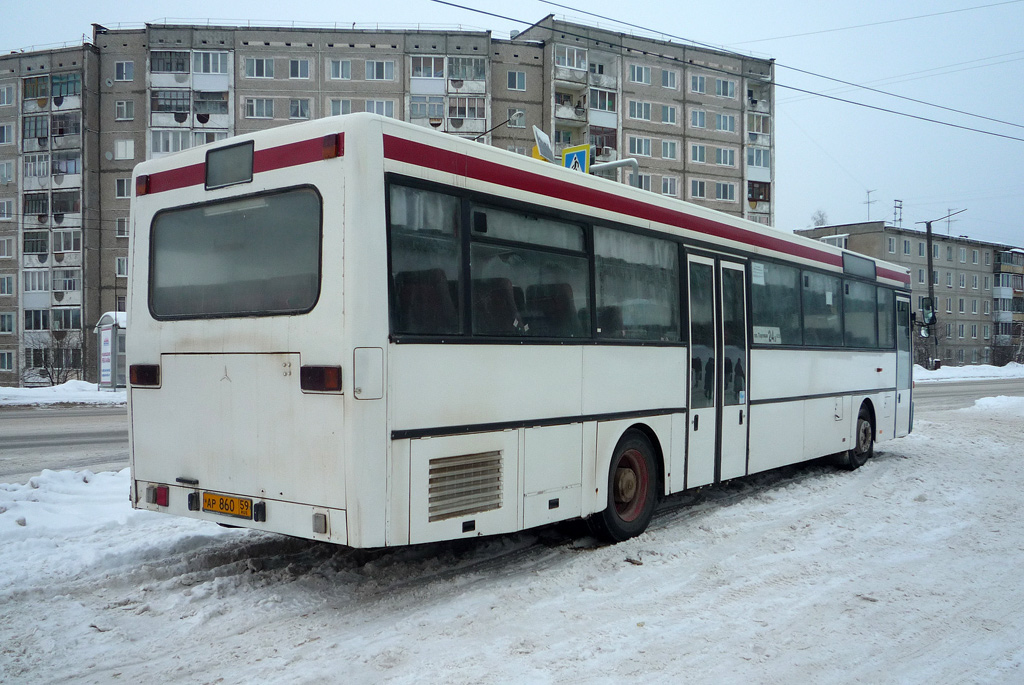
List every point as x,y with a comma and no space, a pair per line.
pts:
775,295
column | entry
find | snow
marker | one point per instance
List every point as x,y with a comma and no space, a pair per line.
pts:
72,392
903,571
967,373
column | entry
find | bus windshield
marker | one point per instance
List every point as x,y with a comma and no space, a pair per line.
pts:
252,256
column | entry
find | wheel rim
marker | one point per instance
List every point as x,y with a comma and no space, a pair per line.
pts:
863,436
630,485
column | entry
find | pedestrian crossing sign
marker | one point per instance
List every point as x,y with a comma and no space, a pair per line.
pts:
577,158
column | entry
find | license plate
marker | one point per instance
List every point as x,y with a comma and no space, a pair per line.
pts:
229,506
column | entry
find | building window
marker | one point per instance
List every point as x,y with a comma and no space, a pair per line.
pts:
698,118
639,110
668,114
259,108
698,153
988,258
210,62
571,57
640,146
36,204
758,191
669,79
380,70
167,62
430,67
963,280
36,242
669,149
6,361
341,69
67,280
985,330
517,80
963,255
644,182
602,100
987,307
6,322
124,149
121,267
37,319
906,247
387,107
892,245
974,256
698,84
259,67
725,88
66,202
340,106
298,68
6,134
68,318
124,110
123,188
935,251
974,306
6,248
6,96
36,87
298,108
920,249
210,102
66,124
472,68
169,141
67,240
697,188
516,118
759,123
960,334
6,285
173,101
988,283
466,108
6,172
640,74
962,310
974,281
761,157
596,67
124,71
122,303
725,122
725,156
35,127
669,185
6,210
725,192
920,278
122,227
62,85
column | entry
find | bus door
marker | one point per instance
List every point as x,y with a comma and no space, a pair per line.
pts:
903,366
719,367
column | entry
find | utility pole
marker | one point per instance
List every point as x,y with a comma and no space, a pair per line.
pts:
897,212
929,305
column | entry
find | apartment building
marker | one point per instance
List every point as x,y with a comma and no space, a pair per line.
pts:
74,122
976,313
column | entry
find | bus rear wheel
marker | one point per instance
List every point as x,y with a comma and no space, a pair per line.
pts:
864,442
632,490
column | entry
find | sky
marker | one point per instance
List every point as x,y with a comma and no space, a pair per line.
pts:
830,156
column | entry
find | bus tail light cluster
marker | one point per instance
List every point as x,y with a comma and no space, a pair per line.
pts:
141,185
159,495
320,378
145,375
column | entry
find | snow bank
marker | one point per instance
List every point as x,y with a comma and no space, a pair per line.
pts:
72,392
966,373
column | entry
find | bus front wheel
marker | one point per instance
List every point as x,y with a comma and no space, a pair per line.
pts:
632,490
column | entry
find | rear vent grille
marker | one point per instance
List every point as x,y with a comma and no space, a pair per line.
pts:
466,484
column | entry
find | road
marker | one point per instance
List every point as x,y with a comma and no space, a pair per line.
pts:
96,438
59,438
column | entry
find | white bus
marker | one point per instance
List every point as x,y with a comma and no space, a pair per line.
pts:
366,332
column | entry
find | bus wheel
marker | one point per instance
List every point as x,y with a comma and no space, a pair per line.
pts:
864,446
632,490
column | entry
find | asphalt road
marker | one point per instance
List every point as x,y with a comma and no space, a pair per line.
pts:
58,438
96,438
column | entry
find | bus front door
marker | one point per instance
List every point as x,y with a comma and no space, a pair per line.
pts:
718,409
903,366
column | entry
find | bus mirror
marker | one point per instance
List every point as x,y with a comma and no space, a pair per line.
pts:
924,331
928,312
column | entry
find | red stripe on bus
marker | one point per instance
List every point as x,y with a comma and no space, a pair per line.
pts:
420,154
269,159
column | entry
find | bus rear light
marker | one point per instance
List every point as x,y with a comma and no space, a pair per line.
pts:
334,145
320,378
159,495
142,185
145,374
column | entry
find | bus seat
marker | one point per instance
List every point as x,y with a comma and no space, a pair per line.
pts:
609,321
494,307
424,302
555,309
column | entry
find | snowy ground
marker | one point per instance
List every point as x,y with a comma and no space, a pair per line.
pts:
906,571
72,392
968,373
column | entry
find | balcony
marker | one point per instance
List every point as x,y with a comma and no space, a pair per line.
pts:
606,81
572,114
458,86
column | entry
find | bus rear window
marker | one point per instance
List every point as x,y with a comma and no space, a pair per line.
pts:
252,256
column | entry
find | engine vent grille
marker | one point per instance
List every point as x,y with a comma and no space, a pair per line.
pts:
464,484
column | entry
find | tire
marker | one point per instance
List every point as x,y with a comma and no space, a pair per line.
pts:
864,442
632,490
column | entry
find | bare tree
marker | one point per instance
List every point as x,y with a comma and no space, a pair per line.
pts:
52,357
924,348
819,218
